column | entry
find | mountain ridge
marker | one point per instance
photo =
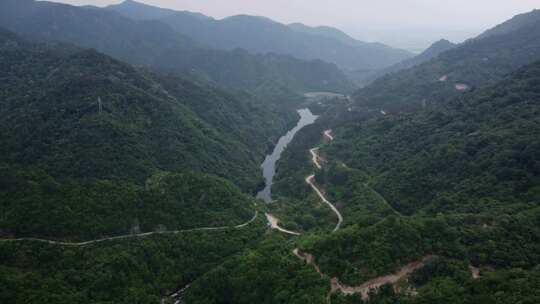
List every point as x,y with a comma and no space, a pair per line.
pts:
263,35
152,43
474,63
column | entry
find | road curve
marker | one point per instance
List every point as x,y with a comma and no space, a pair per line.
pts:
328,134
274,224
130,236
315,158
310,180
372,285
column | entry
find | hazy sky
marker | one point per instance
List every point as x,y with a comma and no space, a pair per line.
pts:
403,23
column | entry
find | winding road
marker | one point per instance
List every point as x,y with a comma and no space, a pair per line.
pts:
373,284
328,134
315,158
365,288
310,180
130,236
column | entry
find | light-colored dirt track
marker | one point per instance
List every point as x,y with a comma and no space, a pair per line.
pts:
274,224
130,236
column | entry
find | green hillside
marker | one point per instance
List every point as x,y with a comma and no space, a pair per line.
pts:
480,147
462,181
128,170
142,270
87,140
465,177
475,63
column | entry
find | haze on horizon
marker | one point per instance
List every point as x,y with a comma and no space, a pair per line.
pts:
410,24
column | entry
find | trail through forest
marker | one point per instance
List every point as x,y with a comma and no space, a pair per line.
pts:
310,180
129,236
335,285
372,284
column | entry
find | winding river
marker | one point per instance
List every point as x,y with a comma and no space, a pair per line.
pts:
269,165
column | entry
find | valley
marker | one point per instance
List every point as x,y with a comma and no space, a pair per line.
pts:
159,155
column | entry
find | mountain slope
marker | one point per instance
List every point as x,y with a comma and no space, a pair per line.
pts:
140,11
466,175
123,38
260,74
363,78
463,179
516,23
153,43
479,146
433,51
475,63
330,32
262,35
101,134
324,31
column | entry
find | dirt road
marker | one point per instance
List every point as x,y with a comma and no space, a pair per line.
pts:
130,236
274,224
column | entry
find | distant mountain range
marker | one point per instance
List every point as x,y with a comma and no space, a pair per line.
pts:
155,44
262,35
433,51
141,11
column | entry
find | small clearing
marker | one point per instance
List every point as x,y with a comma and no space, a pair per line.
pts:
274,224
462,87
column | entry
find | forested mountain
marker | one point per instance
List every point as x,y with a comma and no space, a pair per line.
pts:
130,153
456,185
154,44
433,51
101,130
366,77
94,148
480,147
141,11
331,32
262,35
464,181
138,42
517,22
475,63
257,73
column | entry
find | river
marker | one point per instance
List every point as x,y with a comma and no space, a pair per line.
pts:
269,165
